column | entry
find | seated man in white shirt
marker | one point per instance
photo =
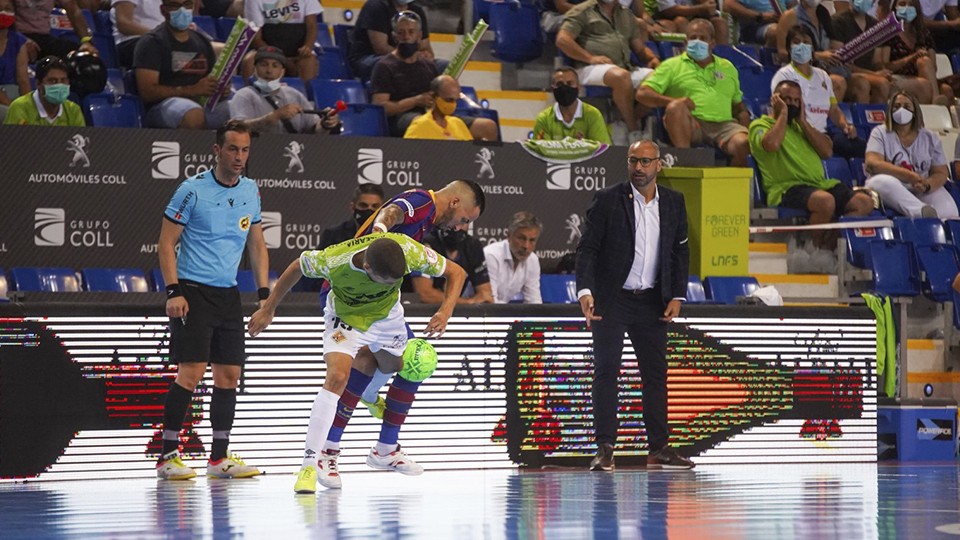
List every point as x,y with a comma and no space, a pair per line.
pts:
512,263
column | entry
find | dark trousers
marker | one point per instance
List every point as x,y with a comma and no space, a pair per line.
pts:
639,317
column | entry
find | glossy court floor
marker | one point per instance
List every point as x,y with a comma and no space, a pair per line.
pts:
736,501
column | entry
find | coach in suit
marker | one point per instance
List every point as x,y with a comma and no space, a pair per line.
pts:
632,266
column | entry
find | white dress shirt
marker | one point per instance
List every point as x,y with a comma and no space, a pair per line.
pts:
643,272
508,282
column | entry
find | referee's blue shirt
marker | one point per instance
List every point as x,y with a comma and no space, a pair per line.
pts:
216,219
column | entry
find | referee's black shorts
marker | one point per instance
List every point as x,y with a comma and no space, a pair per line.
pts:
213,328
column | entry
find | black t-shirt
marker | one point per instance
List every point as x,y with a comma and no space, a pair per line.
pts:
179,63
401,80
469,256
378,15
846,28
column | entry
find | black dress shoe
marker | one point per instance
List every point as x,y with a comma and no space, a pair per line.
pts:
604,459
668,458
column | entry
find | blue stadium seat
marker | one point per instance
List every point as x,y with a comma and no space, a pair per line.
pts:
88,17
953,229
296,83
919,231
846,110
343,36
206,25
838,169
869,116
726,289
474,112
669,49
326,92
940,264
858,241
558,288
953,189
481,10
102,23
113,111
156,277
44,279
224,25
895,268
364,119
760,194
333,64
237,82
114,279
755,83
247,283
115,83
695,291
106,48
518,37
768,58
858,170
324,37
741,56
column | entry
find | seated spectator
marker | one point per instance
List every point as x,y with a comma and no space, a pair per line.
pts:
758,21
680,12
569,116
289,26
701,93
849,24
401,82
465,250
132,19
913,56
374,35
268,106
906,163
818,96
513,264
438,123
598,36
789,152
942,19
48,104
33,21
172,64
14,79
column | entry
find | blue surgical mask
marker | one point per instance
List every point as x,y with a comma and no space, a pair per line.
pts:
863,6
907,13
56,93
181,18
698,50
801,53
265,86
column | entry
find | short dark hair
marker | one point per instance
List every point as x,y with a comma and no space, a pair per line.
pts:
386,259
567,69
368,189
787,82
406,15
479,199
47,63
799,29
237,126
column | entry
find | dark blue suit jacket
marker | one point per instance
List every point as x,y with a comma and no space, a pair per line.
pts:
606,249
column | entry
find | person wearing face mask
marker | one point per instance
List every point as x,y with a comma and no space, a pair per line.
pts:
439,123
912,56
373,36
818,96
906,163
789,152
14,79
850,24
569,116
270,107
172,64
401,82
48,104
465,250
702,96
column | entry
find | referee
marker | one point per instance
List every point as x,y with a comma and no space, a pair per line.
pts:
213,215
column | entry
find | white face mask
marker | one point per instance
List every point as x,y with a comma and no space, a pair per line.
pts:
902,116
267,86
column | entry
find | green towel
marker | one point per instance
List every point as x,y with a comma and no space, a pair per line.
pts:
886,341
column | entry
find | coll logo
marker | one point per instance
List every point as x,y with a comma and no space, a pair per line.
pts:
484,158
78,144
165,163
370,166
292,151
272,223
49,226
558,176
573,226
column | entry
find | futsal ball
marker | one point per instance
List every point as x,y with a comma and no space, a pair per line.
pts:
419,360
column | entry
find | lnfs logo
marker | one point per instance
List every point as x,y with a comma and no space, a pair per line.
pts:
272,223
78,145
165,160
292,152
49,226
370,166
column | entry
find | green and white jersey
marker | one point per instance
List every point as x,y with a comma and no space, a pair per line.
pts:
358,300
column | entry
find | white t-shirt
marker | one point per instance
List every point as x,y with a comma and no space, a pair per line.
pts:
925,152
817,92
508,282
261,12
145,13
931,8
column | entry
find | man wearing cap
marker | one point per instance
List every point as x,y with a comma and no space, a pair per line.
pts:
268,106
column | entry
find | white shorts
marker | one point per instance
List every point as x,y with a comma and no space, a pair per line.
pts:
389,334
592,75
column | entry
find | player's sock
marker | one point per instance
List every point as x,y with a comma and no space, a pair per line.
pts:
348,402
174,411
223,408
321,416
373,389
400,397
